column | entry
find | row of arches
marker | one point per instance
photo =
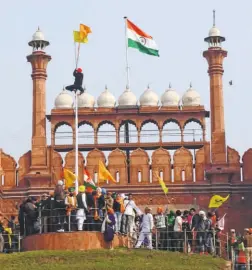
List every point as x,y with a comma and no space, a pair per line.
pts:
181,167
128,133
178,169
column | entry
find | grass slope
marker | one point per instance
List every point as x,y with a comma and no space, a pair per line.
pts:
119,259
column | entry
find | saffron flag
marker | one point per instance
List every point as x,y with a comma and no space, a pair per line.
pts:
104,174
216,201
162,184
141,41
84,31
78,39
82,35
69,178
88,182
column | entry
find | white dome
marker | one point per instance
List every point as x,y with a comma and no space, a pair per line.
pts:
191,98
127,98
85,100
38,35
106,99
170,97
149,98
214,32
64,101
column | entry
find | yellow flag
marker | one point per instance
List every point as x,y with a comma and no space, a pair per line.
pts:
104,174
69,178
216,201
162,184
78,39
84,31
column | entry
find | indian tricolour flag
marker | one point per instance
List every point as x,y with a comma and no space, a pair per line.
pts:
138,39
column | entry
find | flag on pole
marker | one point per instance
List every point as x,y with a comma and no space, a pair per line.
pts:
216,201
69,178
82,35
140,40
221,223
88,182
162,184
84,31
78,39
104,174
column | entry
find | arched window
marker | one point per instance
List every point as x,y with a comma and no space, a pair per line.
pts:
149,132
128,132
193,132
63,134
139,176
171,132
86,133
106,133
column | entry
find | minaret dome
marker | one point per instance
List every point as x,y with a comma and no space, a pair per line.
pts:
214,38
38,42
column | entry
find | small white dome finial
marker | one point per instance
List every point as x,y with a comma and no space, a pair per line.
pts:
127,98
149,97
106,99
64,100
85,100
191,97
170,97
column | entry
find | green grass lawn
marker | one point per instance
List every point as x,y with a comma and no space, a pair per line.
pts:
118,259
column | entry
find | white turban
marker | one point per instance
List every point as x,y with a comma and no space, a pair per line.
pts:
60,182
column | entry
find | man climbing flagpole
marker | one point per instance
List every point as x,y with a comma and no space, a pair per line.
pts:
79,37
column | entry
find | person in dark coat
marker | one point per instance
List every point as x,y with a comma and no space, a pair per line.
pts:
21,217
31,217
77,82
108,227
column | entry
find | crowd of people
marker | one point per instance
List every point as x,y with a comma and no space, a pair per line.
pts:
112,213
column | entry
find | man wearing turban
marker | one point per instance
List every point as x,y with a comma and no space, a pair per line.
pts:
82,208
78,75
71,204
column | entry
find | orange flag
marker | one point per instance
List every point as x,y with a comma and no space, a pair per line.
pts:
104,174
84,31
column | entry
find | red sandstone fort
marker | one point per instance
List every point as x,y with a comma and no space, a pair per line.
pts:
129,130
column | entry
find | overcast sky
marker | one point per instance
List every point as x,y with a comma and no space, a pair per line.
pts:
179,28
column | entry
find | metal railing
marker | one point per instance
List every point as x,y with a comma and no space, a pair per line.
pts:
10,242
203,242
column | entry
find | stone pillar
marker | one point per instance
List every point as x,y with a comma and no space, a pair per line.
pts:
215,56
39,61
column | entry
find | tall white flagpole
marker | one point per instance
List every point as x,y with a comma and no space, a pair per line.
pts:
76,144
127,57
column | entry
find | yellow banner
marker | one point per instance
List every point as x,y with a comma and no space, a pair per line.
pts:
162,184
104,174
216,201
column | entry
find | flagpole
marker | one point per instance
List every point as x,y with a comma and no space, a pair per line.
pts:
78,55
76,145
127,57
